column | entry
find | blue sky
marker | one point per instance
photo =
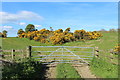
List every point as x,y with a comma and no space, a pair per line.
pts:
60,0
76,15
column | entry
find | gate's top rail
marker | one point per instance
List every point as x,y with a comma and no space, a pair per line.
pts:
64,46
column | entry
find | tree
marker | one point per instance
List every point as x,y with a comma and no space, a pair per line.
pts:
4,33
51,29
1,34
20,31
68,29
30,27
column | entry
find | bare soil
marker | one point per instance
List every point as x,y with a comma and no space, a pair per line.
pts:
84,71
51,72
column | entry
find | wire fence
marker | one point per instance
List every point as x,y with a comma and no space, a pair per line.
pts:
13,55
107,55
59,54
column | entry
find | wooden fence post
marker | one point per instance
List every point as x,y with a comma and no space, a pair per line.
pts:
12,54
29,50
96,52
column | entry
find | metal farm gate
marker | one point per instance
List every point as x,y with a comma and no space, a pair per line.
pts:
62,54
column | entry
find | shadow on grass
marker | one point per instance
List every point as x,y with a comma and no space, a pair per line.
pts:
27,69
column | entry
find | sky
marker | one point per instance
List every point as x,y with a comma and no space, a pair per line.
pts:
90,16
59,0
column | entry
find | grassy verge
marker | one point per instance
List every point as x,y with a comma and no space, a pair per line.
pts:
104,69
66,71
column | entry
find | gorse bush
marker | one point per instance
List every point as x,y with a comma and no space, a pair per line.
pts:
92,35
58,36
79,34
117,48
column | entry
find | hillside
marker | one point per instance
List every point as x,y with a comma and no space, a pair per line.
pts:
108,41
18,43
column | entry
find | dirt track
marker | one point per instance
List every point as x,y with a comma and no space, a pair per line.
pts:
51,72
85,72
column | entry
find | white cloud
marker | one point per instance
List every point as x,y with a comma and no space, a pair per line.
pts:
22,15
8,27
5,28
38,25
22,23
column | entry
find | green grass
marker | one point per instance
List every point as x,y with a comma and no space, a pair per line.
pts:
108,41
105,43
104,69
66,71
19,43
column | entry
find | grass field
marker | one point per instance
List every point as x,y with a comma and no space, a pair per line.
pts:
104,69
105,43
108,41
19,43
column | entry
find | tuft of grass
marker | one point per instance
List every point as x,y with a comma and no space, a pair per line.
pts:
66,71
